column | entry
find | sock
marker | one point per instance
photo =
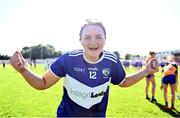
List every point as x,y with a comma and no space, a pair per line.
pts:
166,103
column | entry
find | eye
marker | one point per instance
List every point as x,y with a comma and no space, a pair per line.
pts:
99,37
87,37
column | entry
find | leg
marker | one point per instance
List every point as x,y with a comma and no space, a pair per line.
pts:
153,89
153,82
146,88
165,86
173,92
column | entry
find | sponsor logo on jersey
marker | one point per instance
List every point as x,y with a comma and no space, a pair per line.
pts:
78,69
86,95
94,95
93,69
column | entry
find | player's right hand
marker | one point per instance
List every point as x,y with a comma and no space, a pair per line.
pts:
18,62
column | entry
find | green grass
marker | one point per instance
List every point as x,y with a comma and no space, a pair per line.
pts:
18,99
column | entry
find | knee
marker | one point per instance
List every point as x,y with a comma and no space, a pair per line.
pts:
173,92
154,85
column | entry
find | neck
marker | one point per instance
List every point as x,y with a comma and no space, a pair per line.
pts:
93,58
90,58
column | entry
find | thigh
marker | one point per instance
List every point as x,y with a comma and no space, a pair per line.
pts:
153,81
147,81
165,87
173,87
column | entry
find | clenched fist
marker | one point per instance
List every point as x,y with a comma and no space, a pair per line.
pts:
18,62
152,66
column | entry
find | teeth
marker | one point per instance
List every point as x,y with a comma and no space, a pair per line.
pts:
93,48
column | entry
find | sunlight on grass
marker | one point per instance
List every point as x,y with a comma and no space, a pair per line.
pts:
20,99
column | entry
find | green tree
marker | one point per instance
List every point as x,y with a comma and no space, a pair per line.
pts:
40,52
128,56
4,57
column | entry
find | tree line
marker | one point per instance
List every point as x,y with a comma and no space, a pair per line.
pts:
40,52
4,57
36,52
48,51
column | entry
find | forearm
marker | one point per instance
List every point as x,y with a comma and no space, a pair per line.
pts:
33,79
134,78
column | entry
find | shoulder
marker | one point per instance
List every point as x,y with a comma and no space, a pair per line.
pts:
69,57
110,56
75,53
70,54
148,58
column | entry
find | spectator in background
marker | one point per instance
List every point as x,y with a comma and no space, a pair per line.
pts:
4,64
126,64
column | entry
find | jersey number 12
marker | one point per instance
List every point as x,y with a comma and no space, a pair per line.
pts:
92,74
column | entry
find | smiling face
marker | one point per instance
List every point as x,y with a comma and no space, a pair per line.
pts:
93,40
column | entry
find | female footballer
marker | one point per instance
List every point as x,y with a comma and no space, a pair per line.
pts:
87,74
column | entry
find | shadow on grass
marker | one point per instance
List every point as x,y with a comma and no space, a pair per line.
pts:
174,113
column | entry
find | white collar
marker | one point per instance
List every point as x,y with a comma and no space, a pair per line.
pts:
90,62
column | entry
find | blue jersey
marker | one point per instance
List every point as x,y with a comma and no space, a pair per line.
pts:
86,84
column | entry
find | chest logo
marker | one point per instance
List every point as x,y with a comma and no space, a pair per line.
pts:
106,72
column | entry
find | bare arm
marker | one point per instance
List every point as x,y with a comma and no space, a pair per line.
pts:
39,82
134,78
36,81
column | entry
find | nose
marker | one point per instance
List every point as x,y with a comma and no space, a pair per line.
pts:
93,41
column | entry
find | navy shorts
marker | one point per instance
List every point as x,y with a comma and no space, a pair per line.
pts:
170,79
150,76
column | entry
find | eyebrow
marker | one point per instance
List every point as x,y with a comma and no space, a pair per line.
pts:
95,35
99,35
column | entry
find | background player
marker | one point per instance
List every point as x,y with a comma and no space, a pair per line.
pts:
150,78
170,77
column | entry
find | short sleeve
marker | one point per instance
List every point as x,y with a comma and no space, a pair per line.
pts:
118,74
58,67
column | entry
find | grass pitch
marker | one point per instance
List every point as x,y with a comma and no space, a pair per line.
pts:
19,99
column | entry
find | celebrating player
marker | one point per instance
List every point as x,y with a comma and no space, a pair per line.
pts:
87,74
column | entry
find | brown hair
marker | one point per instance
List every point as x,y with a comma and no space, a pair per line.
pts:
151,53
92,22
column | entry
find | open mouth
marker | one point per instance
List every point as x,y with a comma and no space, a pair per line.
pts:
94,49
